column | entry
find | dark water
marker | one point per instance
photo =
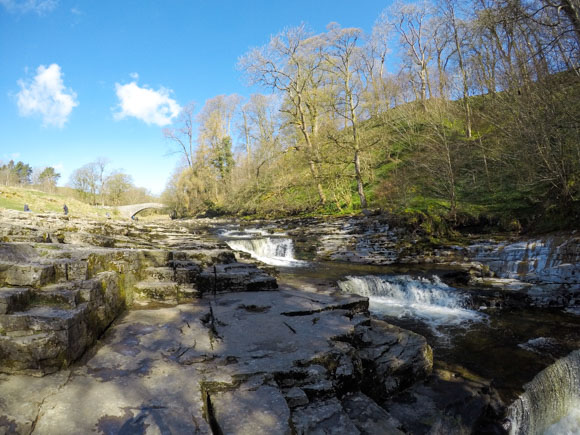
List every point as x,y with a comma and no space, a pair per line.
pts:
509,346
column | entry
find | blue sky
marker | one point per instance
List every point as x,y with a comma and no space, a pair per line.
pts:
86,79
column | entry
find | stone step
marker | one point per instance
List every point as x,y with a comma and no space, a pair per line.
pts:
41,274
186,271
165,291
159,274
14,299
182,272
44,339
41,319
70,292
187,293
160,291
57,296
70,270
234,277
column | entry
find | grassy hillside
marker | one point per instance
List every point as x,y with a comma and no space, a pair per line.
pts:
41,202
14,198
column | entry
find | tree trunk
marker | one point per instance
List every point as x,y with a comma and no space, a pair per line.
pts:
311,154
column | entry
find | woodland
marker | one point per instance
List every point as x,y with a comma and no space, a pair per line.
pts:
447,114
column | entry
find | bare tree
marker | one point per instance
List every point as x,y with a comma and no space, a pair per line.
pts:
373,58
100,166
344,62
410,21
291,65
455,27
183,136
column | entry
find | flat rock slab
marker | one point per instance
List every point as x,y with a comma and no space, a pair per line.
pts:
262,411
155,368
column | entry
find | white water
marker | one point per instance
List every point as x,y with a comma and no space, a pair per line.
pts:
551,402
275,251
569,424
429,300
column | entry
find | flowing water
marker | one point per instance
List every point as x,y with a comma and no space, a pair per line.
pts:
424,298
512,346
551,400
269,249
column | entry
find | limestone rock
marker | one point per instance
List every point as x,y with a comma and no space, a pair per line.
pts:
392,358
261,411
234,277
326,418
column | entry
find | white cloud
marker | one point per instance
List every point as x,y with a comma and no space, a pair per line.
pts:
47,96
148,105
39,7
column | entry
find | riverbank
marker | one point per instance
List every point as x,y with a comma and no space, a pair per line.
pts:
198,337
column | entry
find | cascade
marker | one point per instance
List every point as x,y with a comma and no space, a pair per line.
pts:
551,401
276,251
428,299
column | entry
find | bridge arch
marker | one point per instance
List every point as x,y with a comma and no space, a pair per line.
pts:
128,211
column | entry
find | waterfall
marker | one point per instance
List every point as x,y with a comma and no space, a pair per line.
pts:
427,299
551,401
275,251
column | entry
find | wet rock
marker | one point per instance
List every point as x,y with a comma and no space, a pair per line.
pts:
551,259
392,358
451,400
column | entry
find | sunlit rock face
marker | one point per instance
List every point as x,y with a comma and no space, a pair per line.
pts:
547,269
64,280
551,259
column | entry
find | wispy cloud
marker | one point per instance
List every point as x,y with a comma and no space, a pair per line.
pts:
46,95
39,7
148,105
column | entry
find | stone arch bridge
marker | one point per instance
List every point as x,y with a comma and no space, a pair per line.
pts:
128,211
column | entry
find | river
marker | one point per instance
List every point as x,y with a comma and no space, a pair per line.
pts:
469,328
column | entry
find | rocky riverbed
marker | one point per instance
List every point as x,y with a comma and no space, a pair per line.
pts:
128,327
112,327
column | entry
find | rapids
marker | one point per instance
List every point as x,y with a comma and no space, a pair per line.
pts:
427,299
